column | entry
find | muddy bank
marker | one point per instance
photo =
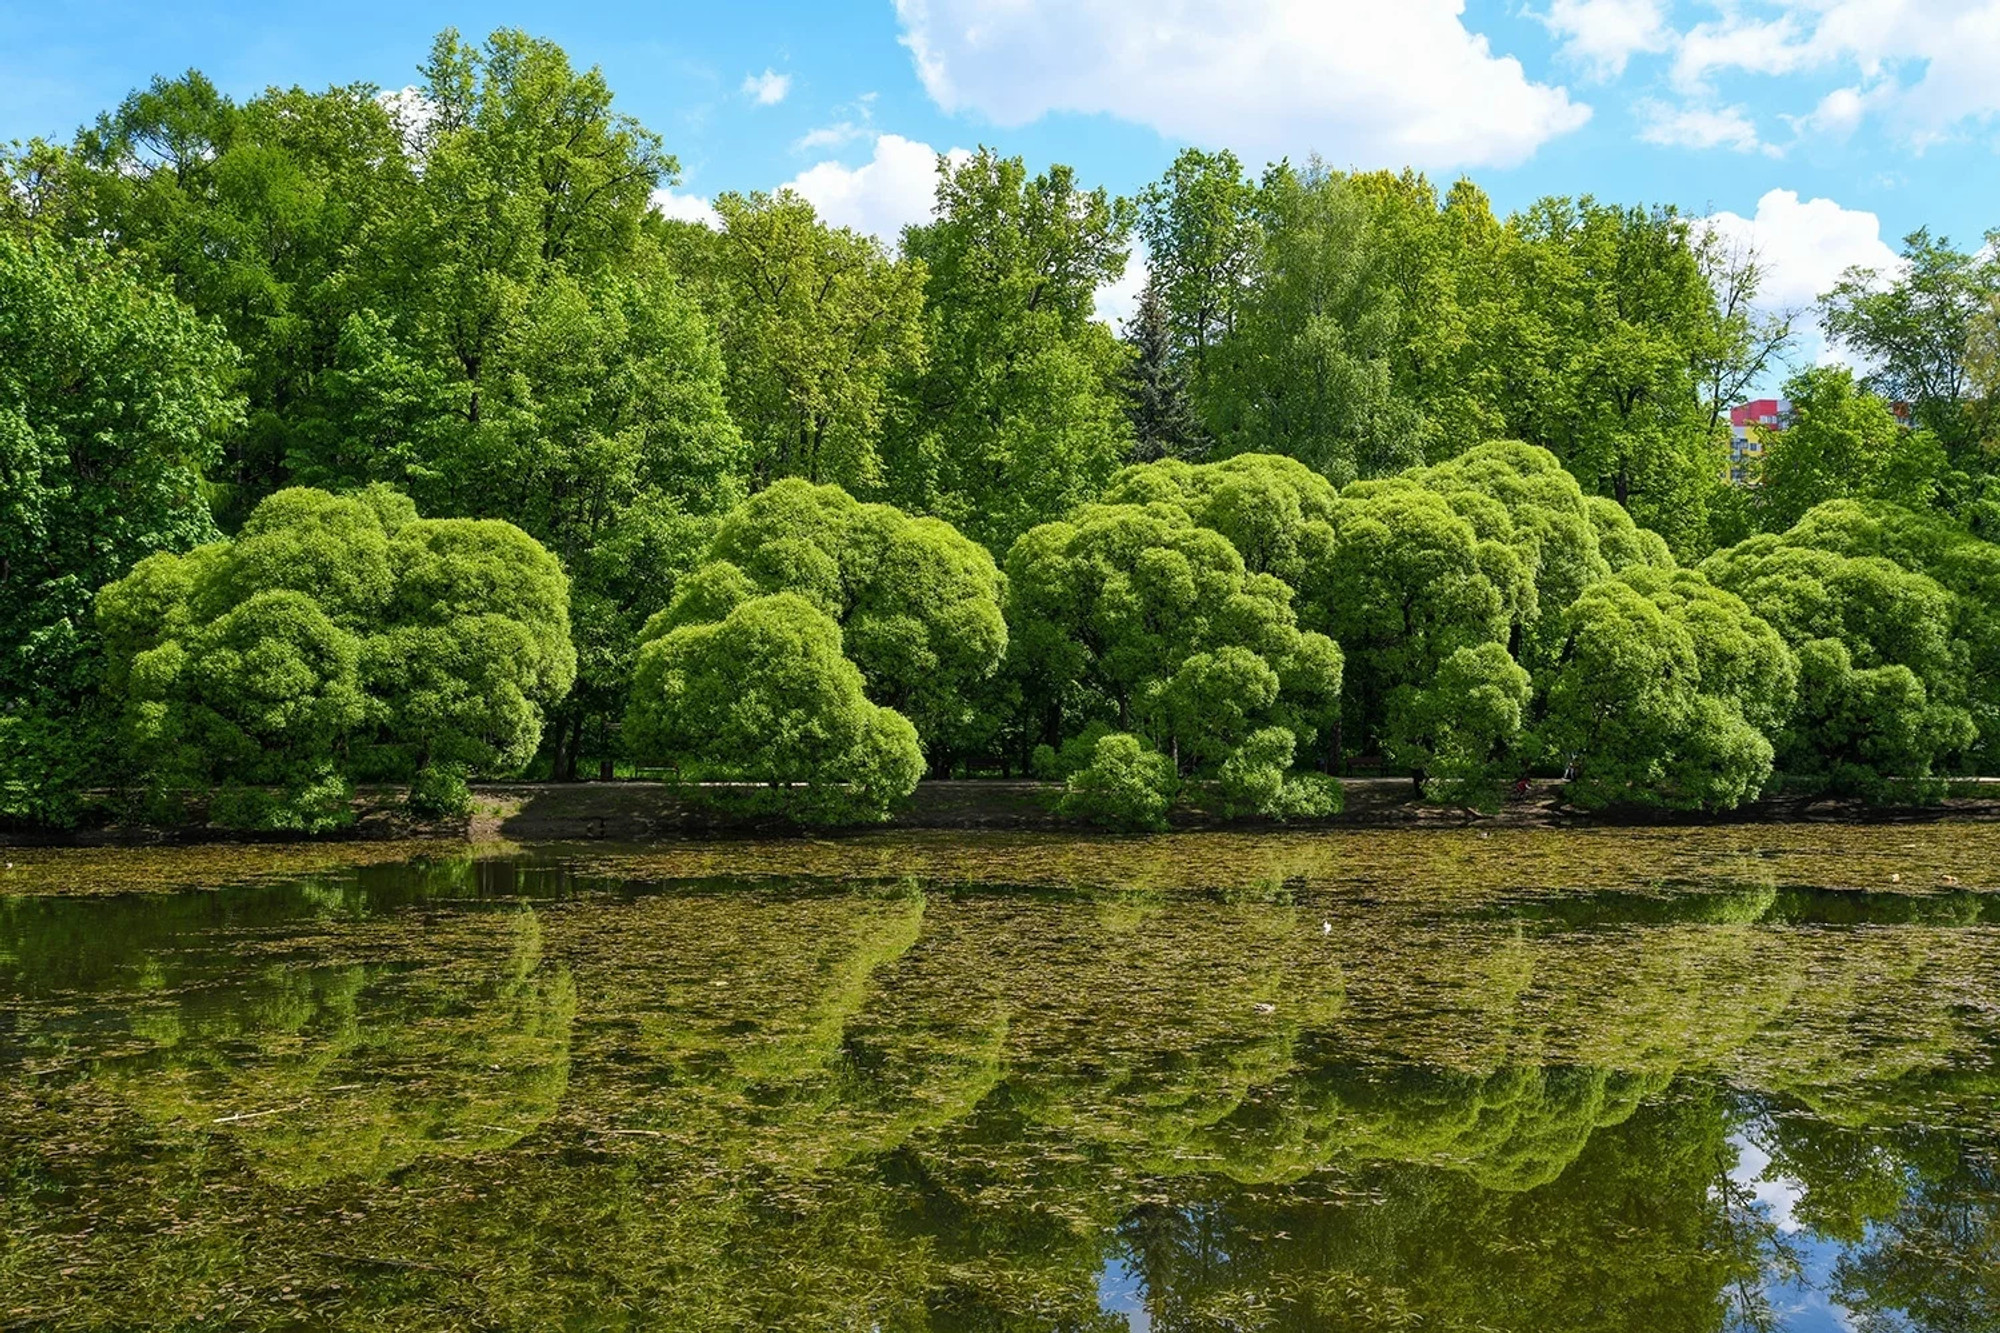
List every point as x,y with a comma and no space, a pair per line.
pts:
646,811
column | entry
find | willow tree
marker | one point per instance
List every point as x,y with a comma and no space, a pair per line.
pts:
336,638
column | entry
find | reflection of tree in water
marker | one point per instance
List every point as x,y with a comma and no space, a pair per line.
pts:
1934,1262
879,1107
1917,1207
1633,1235
357,1069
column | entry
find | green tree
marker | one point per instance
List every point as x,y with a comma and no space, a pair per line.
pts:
1278,513
1841,441
1615,333
816,322
258,216
336,637
1916,327
1932,545
114,401
1623,543
1882,665
1257,778
1163,420
1522,498
1125,785
1200,228
1134,613
1625,710
1442,264
1018,414
1459,734
1306,370
1409,583
766,695
918,604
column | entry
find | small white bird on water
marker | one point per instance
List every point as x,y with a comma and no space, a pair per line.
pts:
1326,927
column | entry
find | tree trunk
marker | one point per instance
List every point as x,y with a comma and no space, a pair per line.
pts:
569,744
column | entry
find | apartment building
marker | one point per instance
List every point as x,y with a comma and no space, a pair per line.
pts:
1746,441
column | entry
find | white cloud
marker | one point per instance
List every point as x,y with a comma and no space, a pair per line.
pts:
1838,114
687,208
412,113
1361,82
1602,35
855,120
768,88
1926,66
840,133
895,187
1700,127
1116,302
1804,246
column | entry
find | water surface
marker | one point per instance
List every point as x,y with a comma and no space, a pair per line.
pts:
1686,1079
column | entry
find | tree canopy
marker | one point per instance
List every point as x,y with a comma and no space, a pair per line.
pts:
335,638
1372,479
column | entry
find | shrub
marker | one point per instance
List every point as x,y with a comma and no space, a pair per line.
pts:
1124,786
439,791
1256,780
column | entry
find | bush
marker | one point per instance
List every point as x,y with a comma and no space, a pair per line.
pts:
335,637
1125,786
319,802
1056,765
1255,780
765,696
439,791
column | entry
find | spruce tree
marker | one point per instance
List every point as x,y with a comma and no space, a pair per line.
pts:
1163,420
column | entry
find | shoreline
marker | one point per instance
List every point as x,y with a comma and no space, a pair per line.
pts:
639,811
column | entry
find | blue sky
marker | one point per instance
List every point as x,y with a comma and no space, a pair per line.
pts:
1817,129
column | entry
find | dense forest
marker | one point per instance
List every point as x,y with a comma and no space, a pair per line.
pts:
362,437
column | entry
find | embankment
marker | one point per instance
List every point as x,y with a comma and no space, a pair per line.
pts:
648,811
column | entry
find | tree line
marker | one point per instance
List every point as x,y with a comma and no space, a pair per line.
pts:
350,436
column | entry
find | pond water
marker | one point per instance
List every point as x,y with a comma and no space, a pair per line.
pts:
1662,1080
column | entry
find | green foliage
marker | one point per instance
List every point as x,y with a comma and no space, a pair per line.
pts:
439,791
1018,414
1460,733
1125,785
1163,420
1277,512
1257,779
816,322
113,399
312,800
1054,763
765,695
1306,369
1883,647
1435,439
1521,497
50,758
1916,328
1623,543
918,605
1202,246
1842,442
323,644
1133,612
1626,709
1405,589
1619,318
